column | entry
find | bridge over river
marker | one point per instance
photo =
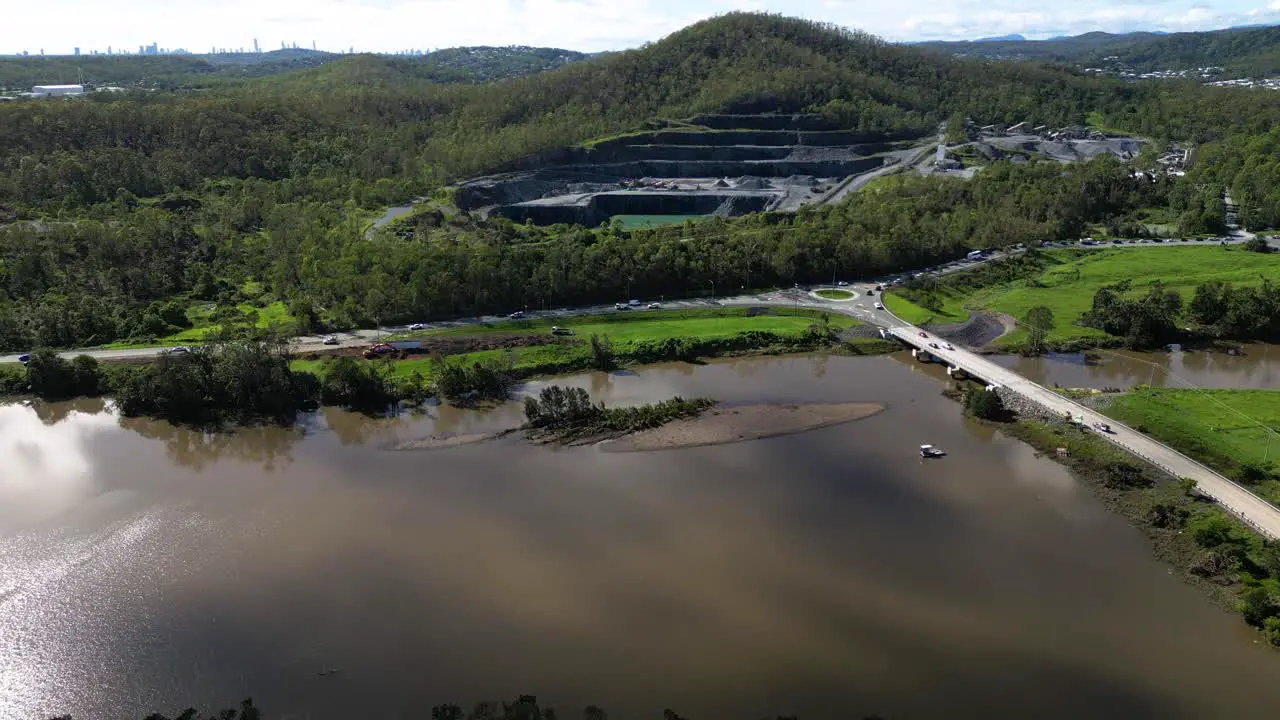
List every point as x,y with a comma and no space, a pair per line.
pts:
1255,511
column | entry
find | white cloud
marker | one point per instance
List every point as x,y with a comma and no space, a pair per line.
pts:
388,25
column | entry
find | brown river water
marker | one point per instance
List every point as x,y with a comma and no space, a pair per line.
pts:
831,574
1258,367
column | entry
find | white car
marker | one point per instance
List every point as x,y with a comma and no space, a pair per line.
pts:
654,306
330,340
417,326
516,315
879,306
621,306
842,284
179,350
948,346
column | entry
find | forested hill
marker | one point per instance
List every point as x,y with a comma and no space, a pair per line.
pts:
377,130
1240,51
167,72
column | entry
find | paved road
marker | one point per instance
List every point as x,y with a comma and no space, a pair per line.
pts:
1252,509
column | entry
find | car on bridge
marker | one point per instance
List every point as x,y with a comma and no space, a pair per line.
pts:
948,346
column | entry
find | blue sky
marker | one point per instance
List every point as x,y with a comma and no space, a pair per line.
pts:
590,25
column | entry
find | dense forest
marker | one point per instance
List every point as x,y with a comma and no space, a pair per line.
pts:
170,72
1239,51
121,216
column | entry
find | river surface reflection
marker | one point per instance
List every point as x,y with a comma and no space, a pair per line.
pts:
829,574
1257,367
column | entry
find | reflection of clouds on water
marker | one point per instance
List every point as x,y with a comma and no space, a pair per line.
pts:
44,469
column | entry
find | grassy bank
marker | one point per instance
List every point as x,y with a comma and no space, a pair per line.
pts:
949,306
1205,545
1067,280
637,337
1233,431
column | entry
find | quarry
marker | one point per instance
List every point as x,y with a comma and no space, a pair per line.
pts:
724,165
728,165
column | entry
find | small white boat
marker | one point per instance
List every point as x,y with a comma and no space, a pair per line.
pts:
929,451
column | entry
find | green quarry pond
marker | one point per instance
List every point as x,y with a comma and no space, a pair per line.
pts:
638,221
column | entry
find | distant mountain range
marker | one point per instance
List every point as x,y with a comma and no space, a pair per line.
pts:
1253,50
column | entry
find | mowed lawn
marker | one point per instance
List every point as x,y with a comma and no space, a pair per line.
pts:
1068,288
951,310
1223,428
622,328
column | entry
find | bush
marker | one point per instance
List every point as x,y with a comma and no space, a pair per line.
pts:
53,377
985,404
351,383
484,379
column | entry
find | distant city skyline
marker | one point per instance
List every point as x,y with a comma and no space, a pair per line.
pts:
57,27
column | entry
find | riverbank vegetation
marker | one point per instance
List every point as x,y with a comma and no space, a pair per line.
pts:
1142,297
1210,548
1232,431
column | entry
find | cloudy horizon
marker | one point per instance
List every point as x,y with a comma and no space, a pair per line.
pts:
58,26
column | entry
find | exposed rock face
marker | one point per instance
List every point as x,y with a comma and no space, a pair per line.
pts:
562,185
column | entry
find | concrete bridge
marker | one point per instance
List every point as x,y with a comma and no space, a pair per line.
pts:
1258,513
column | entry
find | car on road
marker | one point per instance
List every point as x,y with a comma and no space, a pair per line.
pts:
654,306
924,334
516,315
417,326
557,330
179,350
24,358
871,292
633,302
330,340
842,284
621,306
879,306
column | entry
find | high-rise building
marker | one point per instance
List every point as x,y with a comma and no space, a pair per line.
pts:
77,52
255,45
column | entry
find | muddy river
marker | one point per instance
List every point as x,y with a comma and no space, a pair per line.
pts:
830,574
1257,367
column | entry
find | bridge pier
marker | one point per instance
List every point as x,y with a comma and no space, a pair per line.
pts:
957,372
922,355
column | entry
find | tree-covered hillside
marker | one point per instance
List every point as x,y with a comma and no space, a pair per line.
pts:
169,72
138,216
1240,51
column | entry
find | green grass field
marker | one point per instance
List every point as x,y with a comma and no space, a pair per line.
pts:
1067,288
623,328
952,308
1223,428
835,294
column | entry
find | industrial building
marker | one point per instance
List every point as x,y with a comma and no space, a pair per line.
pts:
56,91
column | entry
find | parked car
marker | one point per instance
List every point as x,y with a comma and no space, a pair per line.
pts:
516,315
24,358
378,350
331,340
417,326
654,306
179,350
557,330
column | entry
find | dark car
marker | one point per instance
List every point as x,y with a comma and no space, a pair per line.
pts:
24,359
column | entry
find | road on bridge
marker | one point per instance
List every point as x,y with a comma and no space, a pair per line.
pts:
1259,513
